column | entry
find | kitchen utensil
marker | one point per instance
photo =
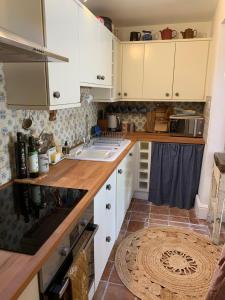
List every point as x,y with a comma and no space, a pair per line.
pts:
168,34
147,35
189,33
125,126
27,122
135,36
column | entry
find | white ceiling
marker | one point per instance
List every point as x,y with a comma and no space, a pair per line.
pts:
149,12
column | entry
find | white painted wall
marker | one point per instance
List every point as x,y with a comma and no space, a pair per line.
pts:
216,131
203,28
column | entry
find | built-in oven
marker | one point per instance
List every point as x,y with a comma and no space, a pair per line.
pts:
53,277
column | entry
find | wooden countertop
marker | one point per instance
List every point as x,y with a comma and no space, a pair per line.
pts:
17,270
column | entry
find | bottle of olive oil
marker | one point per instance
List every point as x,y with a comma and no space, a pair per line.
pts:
33,158
20,154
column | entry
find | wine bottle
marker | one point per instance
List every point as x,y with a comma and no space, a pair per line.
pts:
20,154
33,158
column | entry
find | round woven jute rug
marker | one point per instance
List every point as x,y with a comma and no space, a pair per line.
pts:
167,263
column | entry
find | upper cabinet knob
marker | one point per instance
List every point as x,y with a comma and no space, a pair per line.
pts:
130,154
102,77
177,94
119,94
167,94
120,171
56,95
125,94
99,77
108,187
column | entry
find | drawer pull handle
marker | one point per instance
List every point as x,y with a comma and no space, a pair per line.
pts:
120,171
108,239
108,187
56,95
108,206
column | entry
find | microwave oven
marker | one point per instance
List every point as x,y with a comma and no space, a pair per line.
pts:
181,125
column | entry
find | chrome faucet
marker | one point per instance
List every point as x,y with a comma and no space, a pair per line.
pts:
86,138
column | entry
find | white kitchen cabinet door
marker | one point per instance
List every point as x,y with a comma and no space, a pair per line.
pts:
117,70
132,71
122,187
88,47
105,56
158,71
61,29
105,217
190,70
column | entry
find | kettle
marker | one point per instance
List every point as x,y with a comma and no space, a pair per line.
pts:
168,34
114,122
189,33
147,35
135,36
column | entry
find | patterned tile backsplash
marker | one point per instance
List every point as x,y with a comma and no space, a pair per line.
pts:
69,126
140,118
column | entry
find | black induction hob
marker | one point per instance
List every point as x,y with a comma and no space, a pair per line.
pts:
29,214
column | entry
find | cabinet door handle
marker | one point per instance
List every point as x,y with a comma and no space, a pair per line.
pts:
108,206
177,94
125,94
130,154
120,171
99,77
108,187
167,94
119,94
65,251
108,239
102,77
56,95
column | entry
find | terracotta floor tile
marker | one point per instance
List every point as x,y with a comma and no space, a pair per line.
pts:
107,271
203,232
141,207
203,222
192,213
118,292
136,225
162,210
174,211
179,219
140,201
139,216
194,221
158,216
114,278
179,224
100,290
158,222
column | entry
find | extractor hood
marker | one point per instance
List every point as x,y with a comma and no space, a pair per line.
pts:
14,48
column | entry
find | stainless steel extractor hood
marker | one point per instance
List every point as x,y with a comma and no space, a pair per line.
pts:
14,48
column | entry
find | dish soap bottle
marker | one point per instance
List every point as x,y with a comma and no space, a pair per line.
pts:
20,153
33,158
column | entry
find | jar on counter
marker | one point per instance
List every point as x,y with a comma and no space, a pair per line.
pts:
125,126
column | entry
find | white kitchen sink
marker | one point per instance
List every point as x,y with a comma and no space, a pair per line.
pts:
99,151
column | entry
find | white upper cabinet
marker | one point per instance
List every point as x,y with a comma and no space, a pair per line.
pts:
132,71
61,22
190,70
165,70
45,85
62,37
95,42
88,46
158,71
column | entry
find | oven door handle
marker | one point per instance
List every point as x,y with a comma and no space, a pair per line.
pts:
95,227
64,287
